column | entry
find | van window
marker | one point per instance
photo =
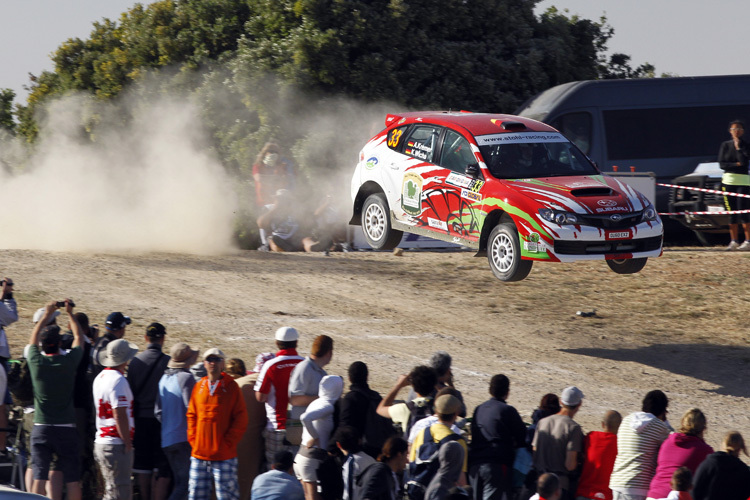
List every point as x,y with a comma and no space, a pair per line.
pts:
662,133
577,128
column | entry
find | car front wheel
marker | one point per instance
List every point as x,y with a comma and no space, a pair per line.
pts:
504,254
627,266
376,224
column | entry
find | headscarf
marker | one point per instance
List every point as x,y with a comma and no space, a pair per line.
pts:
451,457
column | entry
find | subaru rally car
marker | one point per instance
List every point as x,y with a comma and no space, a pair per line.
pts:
512,188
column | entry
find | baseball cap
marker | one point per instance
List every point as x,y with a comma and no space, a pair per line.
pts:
571,396
156,331
286,334
50,335
213,352
39,314
117,320
182,356
447,404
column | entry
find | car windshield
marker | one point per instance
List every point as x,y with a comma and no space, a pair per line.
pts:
533,154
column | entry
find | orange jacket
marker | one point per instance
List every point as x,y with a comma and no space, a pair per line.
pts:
216,423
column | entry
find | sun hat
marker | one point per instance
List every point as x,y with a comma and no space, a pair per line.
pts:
182,356
286,334
118,352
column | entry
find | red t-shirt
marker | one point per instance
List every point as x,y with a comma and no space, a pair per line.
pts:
600,450
273,380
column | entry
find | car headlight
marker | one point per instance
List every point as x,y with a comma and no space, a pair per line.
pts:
558,216
649,213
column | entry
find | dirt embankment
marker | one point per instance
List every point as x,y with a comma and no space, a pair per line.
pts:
680,325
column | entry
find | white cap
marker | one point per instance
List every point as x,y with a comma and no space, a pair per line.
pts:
39,314
287,334
571,396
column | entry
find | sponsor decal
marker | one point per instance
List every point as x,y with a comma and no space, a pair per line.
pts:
471,195
437,224
418,150
620,235
371,163
606,203
611,209
411,194
456,239
402,120
519,138
463,181
534,243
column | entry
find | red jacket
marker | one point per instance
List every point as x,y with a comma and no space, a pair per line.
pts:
600,450
216,423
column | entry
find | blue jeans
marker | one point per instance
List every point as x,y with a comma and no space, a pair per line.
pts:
178,456
489,481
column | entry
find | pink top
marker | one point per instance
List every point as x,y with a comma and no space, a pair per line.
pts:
678,450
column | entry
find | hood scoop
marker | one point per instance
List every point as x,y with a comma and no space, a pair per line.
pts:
592,191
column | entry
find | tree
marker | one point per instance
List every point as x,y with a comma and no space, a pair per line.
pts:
7,121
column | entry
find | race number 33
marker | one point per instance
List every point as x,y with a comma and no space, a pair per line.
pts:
395,137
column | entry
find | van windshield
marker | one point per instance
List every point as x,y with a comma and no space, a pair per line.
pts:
528,155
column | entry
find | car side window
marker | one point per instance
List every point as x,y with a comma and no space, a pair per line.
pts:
422,141
456,152
395,137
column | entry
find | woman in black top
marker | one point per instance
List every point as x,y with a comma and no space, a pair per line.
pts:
722,475
734,157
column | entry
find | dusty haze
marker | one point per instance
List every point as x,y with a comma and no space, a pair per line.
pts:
145,183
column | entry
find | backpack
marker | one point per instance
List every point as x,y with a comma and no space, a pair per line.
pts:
19,382
417,413
420,472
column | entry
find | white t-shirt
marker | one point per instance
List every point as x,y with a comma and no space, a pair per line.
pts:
111,390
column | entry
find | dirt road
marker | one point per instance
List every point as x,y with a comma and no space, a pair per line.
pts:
680,325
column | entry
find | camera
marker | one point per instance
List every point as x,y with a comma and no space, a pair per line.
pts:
61,303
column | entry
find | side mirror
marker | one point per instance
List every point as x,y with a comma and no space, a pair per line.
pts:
472,170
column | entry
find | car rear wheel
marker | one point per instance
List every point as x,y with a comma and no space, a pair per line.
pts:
376,223
504,254
627,266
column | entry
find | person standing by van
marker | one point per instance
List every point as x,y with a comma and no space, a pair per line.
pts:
734,158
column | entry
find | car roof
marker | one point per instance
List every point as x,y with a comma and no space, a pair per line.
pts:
475,123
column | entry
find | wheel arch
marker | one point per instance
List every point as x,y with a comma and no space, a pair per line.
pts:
490,221
365,190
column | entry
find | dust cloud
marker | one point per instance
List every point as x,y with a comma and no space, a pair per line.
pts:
146,182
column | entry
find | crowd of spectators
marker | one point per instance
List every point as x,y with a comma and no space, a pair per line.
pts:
200,425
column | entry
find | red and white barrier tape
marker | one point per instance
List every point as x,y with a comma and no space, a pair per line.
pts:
703,190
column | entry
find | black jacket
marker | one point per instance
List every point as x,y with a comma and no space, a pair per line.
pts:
496,431
721,477
376,483
729,156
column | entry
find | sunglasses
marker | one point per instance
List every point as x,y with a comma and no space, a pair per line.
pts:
214,359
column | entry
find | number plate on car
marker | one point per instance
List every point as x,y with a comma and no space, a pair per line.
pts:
623,234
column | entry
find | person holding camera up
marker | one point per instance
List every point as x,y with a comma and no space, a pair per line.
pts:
8,315
53,377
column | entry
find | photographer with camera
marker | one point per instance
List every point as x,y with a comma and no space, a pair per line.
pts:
53,377
8,315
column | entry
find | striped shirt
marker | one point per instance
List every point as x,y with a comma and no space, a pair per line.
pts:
638,441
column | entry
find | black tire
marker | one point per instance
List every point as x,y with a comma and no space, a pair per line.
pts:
504,254
376,223
627,266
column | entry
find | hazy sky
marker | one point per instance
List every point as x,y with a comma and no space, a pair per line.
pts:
686,37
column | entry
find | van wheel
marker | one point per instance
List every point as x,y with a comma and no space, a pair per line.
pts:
504,254
627,266
376,223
